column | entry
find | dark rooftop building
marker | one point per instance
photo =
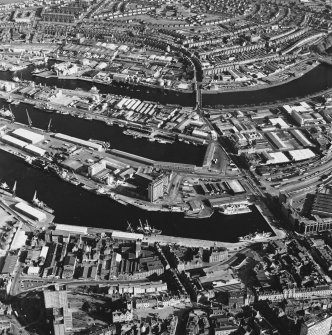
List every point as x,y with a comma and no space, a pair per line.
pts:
322,205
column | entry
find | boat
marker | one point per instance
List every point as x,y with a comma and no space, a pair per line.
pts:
63,174
130,229
234,209
147,229
39,163
40,70
6,113
4,186
100,190
52,168
255,237
40,204
16,79
14,68
74,181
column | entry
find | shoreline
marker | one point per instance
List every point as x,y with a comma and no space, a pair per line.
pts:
205,92
259,86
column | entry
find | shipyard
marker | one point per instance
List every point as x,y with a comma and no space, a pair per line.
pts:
165,167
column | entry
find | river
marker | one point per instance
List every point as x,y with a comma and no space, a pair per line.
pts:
76,206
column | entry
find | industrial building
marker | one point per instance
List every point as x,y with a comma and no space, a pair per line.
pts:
301,138
27,136
274,157
157,187
235,186
322,205
301,154
30,212
32,149
78,141
56,305
276,141
96,168
13,141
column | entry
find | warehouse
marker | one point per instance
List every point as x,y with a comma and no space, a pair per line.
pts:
32,149
13,141
121,235
30,212
276,140
44,252
18,240
301,154
78,141
235,186
9,265
72,229
275,158
322,205
301,138
27,136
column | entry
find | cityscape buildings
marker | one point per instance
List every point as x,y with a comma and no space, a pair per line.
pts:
165,167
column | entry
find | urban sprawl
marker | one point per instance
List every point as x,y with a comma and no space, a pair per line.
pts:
116,63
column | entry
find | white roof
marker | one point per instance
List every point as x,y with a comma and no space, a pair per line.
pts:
32,148
71,228
235,186
279,121
30,211
18,240
278,157
14,141
44,251
301,154
122,234
33,270
79,141
29,135
301,137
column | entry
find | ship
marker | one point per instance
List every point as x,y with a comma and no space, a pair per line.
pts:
40,204
100,190
14,68
147,229
38,163
6,113
234,209
40,70
4,186
130,229
52,168
255,237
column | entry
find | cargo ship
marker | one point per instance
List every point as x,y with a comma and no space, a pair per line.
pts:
40,204
234,209
6,113
146,229
254,237
4,186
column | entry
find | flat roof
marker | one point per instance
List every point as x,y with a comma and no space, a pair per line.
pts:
30,211
14,141
32,148
29,135
278,157
301,154
126,235
79,141
71,228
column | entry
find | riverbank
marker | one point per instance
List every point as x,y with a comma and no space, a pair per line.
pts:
260,86
136,86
